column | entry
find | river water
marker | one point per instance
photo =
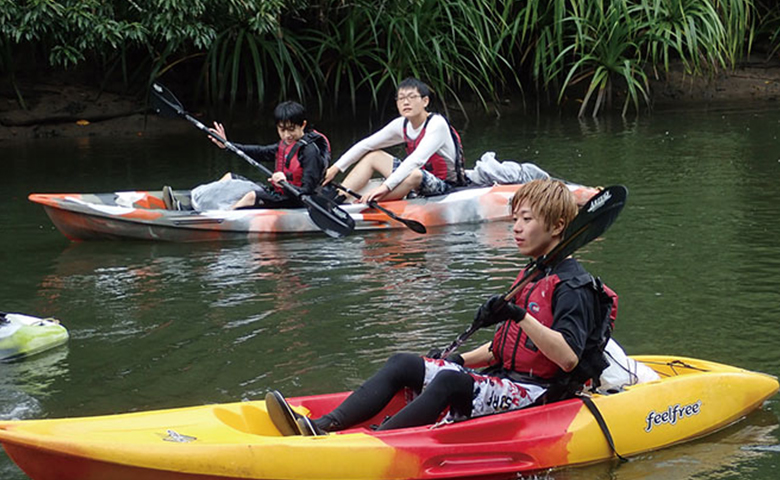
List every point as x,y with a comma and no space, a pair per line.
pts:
695,257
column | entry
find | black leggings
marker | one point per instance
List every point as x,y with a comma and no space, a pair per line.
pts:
403,370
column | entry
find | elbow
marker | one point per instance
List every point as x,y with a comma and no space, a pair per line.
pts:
569,364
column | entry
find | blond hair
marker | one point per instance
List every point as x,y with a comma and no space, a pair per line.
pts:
551,200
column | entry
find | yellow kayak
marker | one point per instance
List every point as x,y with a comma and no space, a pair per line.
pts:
238,441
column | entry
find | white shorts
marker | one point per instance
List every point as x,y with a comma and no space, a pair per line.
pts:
491,394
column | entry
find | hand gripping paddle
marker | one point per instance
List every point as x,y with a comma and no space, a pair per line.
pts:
594,218
325,213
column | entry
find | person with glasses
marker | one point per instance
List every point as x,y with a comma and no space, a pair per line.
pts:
434,161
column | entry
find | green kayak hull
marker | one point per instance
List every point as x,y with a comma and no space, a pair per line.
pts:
22,336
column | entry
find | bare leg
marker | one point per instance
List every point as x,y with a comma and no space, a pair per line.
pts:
402,189
247,200
382,163
376,161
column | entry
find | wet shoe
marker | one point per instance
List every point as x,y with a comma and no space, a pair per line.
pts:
307,428
282,416
169,199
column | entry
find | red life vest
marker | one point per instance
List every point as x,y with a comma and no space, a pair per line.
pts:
517,352
436,164
287,157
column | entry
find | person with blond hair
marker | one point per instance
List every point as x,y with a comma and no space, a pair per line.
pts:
548,343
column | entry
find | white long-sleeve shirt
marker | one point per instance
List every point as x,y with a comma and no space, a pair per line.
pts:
437,139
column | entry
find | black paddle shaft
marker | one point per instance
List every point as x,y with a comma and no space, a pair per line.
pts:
413,225
594,218
323,212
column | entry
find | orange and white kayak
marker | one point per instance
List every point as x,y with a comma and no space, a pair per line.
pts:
142,215
691,399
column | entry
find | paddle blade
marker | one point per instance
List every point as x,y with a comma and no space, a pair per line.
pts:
414,225
164,102
328,216
594,218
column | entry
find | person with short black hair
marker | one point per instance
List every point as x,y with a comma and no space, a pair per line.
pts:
434,161
300,157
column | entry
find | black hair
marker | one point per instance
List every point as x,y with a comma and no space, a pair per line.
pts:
411,82
290,112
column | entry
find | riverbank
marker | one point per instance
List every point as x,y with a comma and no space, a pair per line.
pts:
62,109
71,109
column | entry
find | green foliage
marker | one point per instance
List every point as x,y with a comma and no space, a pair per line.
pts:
73,31
604,45
270,49
615,42
691,29
347,57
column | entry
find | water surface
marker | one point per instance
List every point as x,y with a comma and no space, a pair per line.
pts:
695,258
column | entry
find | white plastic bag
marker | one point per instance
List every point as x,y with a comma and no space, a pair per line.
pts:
221,195
622,371
489,171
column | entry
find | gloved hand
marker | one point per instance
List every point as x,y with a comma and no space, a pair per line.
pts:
497,310
435,353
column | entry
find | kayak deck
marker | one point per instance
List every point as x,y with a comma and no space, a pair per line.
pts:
693,398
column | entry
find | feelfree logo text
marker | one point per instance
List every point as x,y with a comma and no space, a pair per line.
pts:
671,415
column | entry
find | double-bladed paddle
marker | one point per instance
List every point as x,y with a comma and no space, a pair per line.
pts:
413,225
324,212
593,219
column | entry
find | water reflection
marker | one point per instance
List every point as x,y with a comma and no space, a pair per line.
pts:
303,298
25,383
694,258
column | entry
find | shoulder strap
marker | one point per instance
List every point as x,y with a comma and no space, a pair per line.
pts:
294,150
425,125
321,141
460,157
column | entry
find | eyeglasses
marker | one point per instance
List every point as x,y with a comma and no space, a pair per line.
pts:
403,98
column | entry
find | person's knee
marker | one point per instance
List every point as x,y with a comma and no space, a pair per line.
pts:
451,381
247,200
379,161
456,388
404,370
403,361
413,180
374,156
